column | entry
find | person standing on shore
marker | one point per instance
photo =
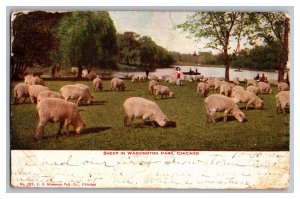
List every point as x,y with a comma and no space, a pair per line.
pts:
147,72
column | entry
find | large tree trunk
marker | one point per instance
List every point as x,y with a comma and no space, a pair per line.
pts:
284,50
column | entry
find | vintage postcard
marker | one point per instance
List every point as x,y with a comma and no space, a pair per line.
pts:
150,99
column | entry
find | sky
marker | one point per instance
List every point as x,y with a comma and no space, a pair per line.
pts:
159,25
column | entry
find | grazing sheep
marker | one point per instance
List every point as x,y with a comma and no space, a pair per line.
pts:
235,88
48,94
210,83
21,90
219,83
117,83
202,88
36,81
247,97
220,78
74,71
137,107
282,101
57,110
92,75
273,82
251,82
188,78
220,103
76,92
225,89
152,83
170,80
135,79
253,89
282,86
236,81
143,78
85,87
97,84
84,73
264,87
163,91
27,79
153,77
34,91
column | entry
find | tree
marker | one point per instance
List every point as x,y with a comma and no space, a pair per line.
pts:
274,26
220,28
33,38
86,38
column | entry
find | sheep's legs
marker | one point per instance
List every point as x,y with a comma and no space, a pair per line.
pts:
24,99
32,99
61,124
225,116
40,130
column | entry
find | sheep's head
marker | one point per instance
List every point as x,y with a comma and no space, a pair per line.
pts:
79,129
240,116
171,94
162,120
258,103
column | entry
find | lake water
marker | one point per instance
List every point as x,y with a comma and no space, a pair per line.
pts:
211,71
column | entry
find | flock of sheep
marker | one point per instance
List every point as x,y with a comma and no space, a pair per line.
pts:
53,106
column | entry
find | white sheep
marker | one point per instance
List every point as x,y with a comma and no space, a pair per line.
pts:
137,107
48,94
273,82
253,89
235,88
27,79
143,78
247,97
21,90
153,77
85,73
170,80
210,83
202,88
225,89
97,84
236,81
76,92
163,91
282,86
282,101
220,78
251,82
220,103
219,83
152,83
135,79
34,90
36,81
188,78
117,84
57,110
264,87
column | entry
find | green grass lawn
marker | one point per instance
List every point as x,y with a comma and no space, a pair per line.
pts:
265,129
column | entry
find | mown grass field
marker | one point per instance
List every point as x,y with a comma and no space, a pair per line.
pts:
265,129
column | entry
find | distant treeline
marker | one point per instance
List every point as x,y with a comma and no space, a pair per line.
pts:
89,38
259,58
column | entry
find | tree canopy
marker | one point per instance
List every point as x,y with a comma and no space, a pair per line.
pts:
86,38
142,51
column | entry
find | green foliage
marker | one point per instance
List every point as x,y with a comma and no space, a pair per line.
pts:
86,38
142,51
259,58
33,40
220,28
264,130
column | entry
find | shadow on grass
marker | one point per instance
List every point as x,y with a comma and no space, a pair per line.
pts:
170,124
230,118
94,103
74,134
